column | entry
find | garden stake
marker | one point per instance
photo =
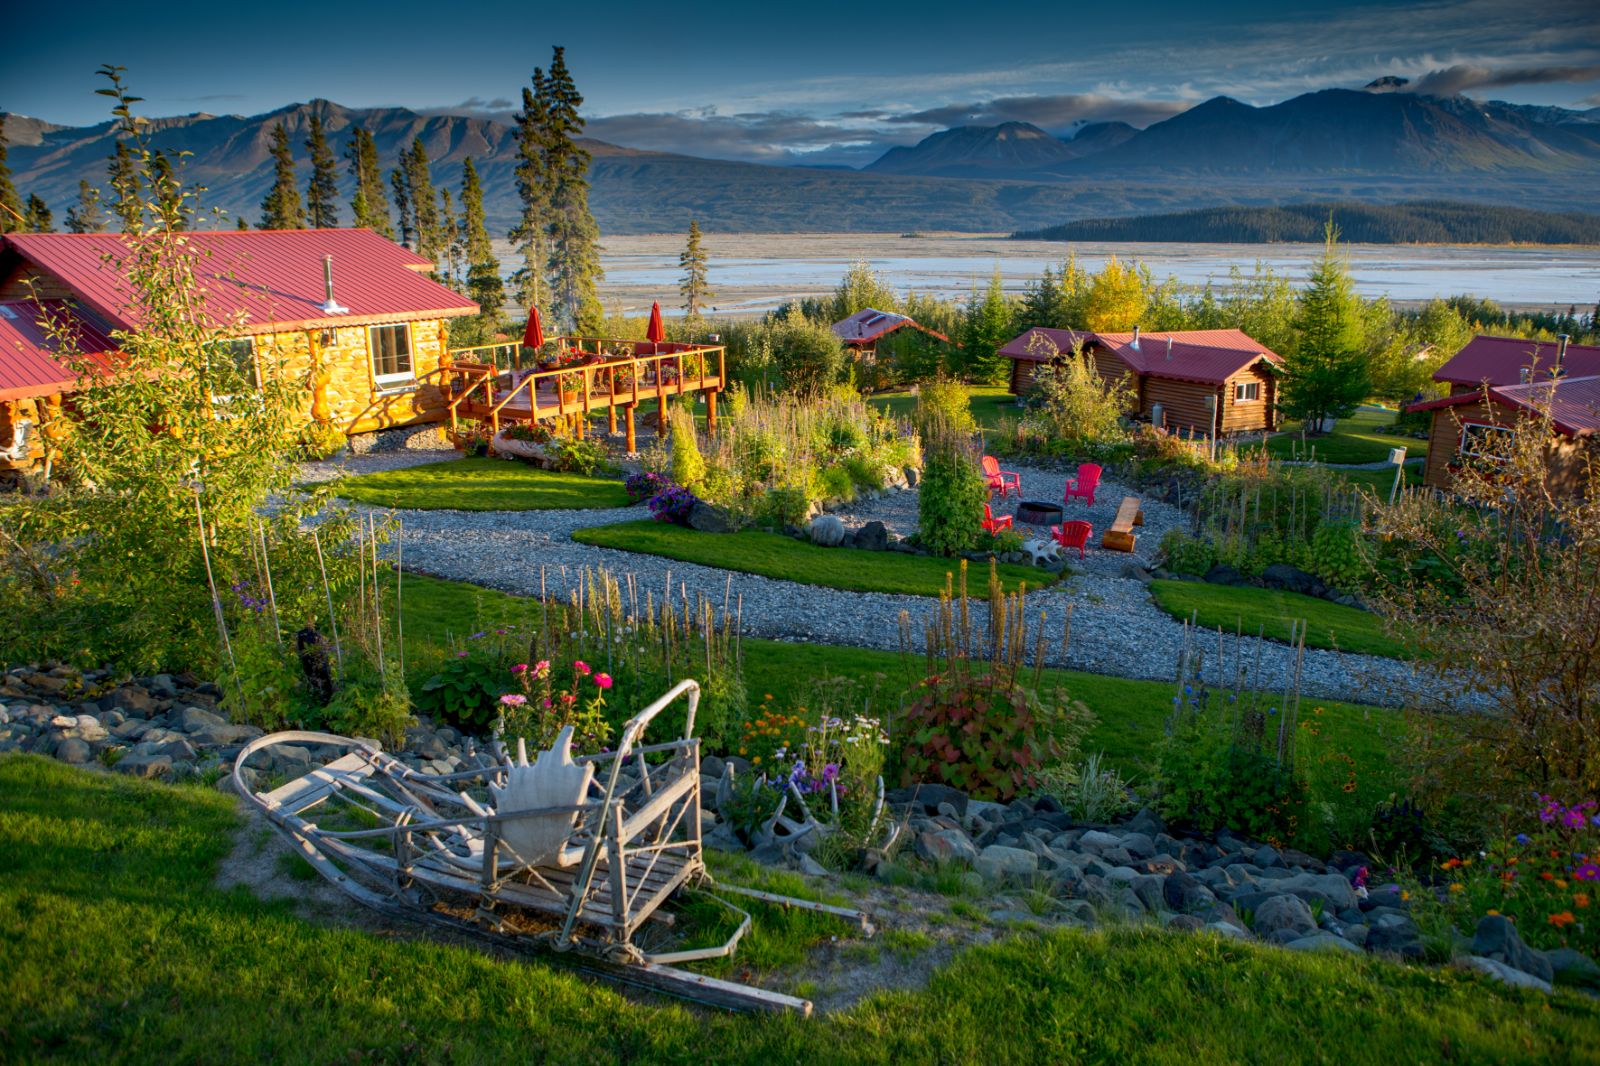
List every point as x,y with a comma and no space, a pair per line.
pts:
216,601
266,565
399,580
328,591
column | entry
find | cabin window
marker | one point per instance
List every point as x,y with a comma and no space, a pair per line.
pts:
1480,441
233,366
391,354
1244,391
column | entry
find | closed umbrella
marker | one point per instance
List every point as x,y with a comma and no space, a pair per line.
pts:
655,333
533,335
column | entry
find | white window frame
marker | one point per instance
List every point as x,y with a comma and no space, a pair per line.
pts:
247,367
401,379
1240,388
1461,446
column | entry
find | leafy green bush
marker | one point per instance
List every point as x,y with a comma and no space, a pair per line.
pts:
946,398
366,705
687,467
952,492
1186,554
1208,781
806,354
466,690
985,734
1336,555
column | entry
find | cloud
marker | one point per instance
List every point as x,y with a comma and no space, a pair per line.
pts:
757,137
1054,112
1463,76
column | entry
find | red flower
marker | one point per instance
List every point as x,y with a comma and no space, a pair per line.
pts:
603,680
579,666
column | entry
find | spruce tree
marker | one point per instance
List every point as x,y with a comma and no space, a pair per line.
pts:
12,219
450,253
988,326
574,255
483,269
369,207
86,216
128,205
37,212
414,181
322,194
400,182
693,286
533,189
282,208
1327,374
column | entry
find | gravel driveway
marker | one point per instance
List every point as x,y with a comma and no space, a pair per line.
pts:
1115,627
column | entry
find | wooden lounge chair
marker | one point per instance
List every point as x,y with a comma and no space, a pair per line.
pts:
1120,537
1073,535
1084,484
1004,481
991,524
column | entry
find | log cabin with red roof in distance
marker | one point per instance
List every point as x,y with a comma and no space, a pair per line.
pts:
353,315
1214,382
1494,382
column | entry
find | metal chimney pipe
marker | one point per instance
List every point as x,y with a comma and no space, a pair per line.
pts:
1169,348
1562,340
329,306
1136,335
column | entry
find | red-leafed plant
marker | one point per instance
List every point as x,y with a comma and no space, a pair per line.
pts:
982,723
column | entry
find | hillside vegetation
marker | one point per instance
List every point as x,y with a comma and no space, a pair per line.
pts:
1423,222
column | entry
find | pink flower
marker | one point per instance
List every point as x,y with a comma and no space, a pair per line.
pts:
579,666
513,699
545,703
541,668
603,680
520,668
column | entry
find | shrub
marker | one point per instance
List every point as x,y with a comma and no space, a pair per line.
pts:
367,705
952,492
1209,780
1185,554
322,440
946,398
645,484
466,690
688,467
806,354
1336,555
785,506
980,733
1089,791
1070,401
672,505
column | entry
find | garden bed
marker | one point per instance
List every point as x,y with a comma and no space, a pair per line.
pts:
787,559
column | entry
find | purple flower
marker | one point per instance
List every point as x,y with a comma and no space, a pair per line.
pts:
1522,838
1587,872
1573,819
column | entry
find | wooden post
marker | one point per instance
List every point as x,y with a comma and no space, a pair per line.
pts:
661,400
711,411
627,420
611,401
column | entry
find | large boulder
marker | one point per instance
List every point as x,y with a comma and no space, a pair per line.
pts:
709,518
1292,579
1323,942
1574,968
1223,574
1496,938
826,530
1281,914
873,537
996,862
1508,975
946,845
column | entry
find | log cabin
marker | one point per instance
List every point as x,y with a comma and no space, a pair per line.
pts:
354,315
1213,382
1495,382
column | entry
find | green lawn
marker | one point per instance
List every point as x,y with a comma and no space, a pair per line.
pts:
778,556
1131,714
990,403
1329,624
119,948
482,485
1364,437
1380,482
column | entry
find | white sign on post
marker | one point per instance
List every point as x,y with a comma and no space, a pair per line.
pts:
1397,456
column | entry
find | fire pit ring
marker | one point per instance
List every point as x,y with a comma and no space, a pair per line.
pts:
1035,513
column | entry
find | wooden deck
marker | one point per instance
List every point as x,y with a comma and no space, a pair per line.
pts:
488,384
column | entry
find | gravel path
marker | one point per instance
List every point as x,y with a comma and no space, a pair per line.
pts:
346,464
1116,629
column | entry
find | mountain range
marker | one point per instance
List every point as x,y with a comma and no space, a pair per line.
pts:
1379,147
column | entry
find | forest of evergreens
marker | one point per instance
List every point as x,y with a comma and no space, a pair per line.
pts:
1423,222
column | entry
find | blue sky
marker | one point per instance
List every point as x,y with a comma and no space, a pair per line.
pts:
828,82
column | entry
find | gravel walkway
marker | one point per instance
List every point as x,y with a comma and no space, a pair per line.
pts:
1116,629
346,464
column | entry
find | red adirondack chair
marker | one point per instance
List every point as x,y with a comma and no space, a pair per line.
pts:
1073,535
991,524
1084,484
1004,480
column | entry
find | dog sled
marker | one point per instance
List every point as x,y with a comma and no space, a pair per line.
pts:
580,856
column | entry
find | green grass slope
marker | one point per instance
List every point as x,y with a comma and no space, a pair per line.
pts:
481,485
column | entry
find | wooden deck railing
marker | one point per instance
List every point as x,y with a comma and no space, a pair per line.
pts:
628,372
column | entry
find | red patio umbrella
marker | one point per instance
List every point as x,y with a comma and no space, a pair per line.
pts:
655,333
533,335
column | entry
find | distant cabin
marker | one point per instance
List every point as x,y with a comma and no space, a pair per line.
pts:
862,331
1208,381
1494,381
348,300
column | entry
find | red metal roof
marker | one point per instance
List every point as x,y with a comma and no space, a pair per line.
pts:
868,324
1501,361
1573,403
1210,356
268,279
30,361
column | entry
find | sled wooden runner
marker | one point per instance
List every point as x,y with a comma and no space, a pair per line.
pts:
577,856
